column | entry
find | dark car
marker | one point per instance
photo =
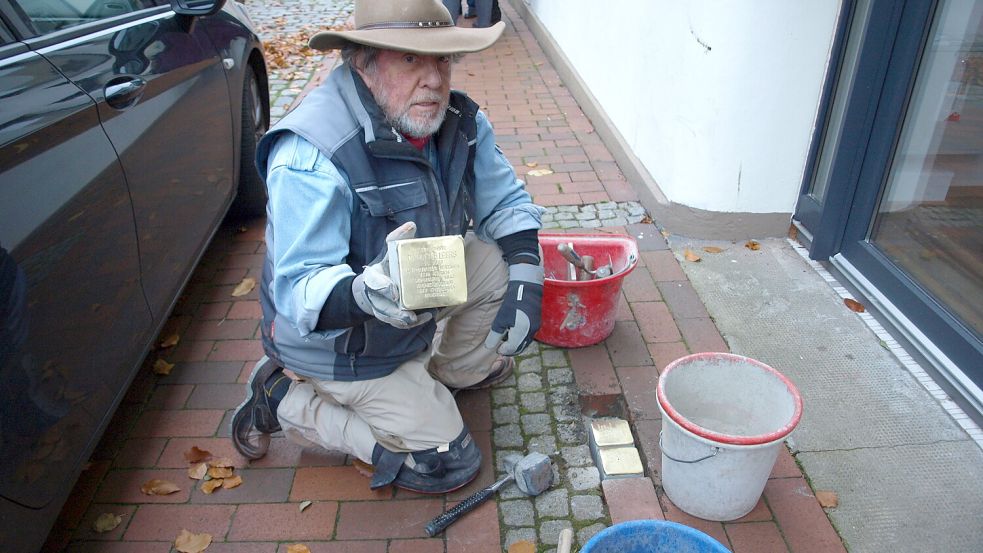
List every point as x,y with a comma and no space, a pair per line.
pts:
127,132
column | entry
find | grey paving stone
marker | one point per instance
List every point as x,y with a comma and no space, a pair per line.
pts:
577,456
508,382
506,414
518,512
584,478
569,224
585,534
567,209
566,413
560,217
616,222
562,395
505,459
530,382
605,214
545,444
554,358
634,208
536,424
503,396
589,208
533,402
508,436
516,535
531,349
633,219
550,225
593,223
511,491
584,216
549,531
555,377
587,507
571,433
284,101
530,365
553,503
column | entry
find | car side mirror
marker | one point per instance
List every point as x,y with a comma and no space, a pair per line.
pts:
197,8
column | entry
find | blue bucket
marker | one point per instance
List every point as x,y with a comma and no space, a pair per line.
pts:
652,536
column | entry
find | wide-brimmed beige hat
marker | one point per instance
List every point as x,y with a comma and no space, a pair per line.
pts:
417,26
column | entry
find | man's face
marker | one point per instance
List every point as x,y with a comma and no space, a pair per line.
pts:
413,90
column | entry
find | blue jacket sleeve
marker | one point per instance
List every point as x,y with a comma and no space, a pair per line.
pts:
310,210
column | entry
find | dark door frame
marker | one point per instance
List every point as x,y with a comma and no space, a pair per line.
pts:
893,43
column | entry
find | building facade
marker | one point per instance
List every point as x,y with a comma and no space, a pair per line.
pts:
858,123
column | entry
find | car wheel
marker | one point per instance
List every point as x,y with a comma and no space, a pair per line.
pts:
250,199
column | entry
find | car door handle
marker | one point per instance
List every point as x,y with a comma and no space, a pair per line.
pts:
123,92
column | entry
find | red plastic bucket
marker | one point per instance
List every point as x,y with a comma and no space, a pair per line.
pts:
582,313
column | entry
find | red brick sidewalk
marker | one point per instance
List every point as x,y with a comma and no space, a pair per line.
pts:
660,318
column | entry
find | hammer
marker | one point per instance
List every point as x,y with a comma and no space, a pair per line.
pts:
533,474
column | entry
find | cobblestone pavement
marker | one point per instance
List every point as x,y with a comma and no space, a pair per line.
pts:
285,26
659,318
537,410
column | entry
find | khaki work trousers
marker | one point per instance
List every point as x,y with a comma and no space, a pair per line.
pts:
410,409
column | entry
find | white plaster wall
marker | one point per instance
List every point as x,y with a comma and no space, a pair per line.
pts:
718,99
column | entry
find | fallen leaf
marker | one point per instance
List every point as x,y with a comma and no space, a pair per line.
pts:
170,341
159,487
854,305
229,483
241,229
209,486
827,499
522,547
198,471
195,455
221,462
304,505
712,249
106,522
531,164
752,245
665,233
162,367
187,542
298,548
219,472
690,256
244,287
540,172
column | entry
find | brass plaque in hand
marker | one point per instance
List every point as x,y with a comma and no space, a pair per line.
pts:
430,272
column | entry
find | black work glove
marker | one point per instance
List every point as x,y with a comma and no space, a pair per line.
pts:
518,318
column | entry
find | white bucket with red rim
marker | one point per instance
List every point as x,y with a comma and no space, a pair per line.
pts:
724,418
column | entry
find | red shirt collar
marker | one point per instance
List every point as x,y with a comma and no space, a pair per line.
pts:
419,143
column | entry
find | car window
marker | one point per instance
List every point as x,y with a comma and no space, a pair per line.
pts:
53,15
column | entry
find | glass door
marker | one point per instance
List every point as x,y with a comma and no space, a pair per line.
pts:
914,228
929,221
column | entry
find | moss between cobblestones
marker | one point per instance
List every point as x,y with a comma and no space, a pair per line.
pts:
556,387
